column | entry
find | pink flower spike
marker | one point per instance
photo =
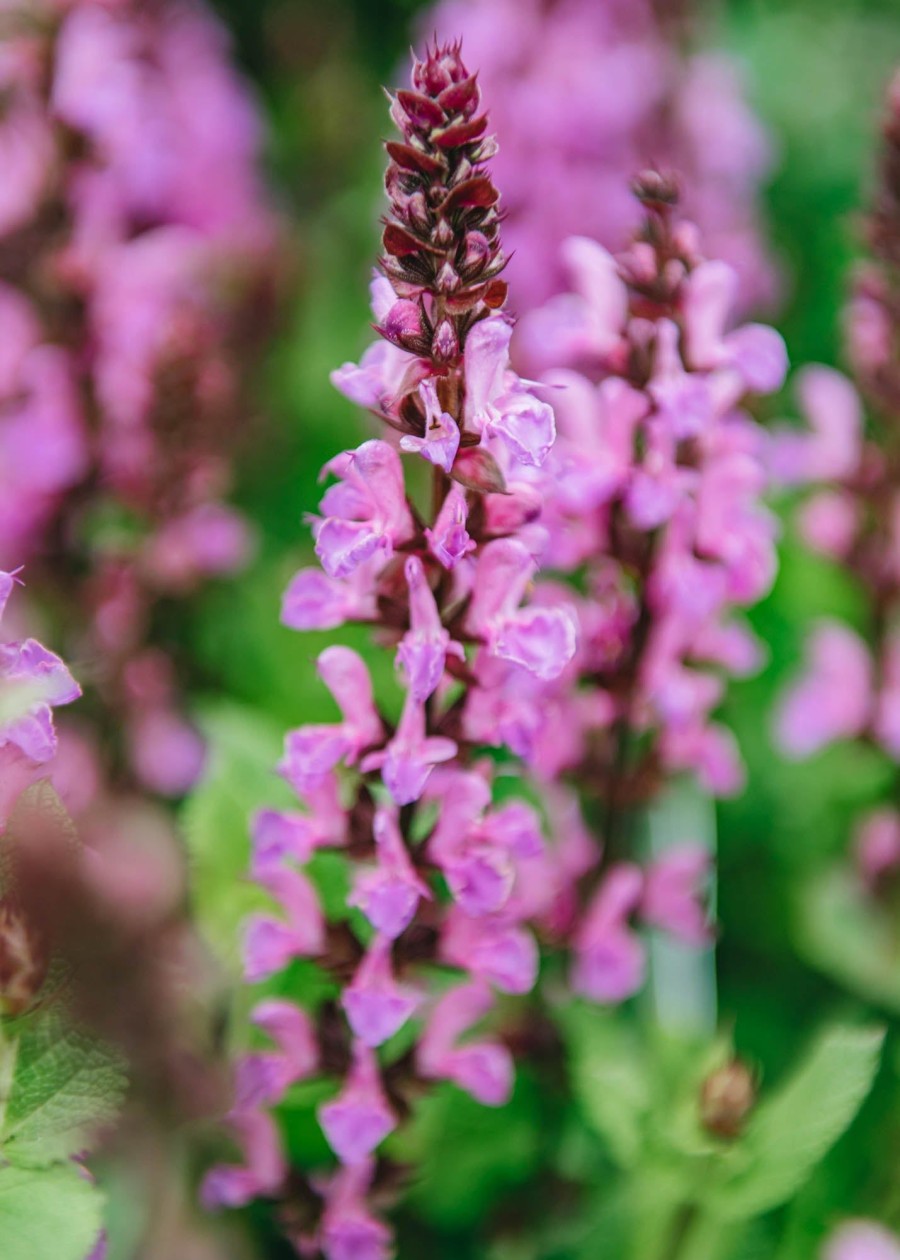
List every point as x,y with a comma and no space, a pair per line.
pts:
426,645
389,895
359,1119
448,541
672,899
376,1006
610,960
441,440
407,761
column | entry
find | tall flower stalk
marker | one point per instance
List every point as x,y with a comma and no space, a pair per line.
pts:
653,514
444,879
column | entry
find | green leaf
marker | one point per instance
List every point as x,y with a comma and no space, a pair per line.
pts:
843,933
55,1212
611,1080
793,1129
65,1086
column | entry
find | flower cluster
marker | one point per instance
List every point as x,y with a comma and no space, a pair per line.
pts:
849,455
133,243
653,513
583,95
446,876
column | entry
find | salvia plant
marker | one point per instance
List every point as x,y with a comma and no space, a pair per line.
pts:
558,564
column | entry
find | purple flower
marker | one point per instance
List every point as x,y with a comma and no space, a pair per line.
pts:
424,648
366,512
441,440
862,1240
832,700
448,541
609,958
359,1119
389,894
483,1068
407,760
376,1005
672,897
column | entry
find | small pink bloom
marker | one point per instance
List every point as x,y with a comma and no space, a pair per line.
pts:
877,846
348,1230
426,645
407,761
375,1004
832,699
672,898
483,1068
359,1119
389,894
269,943
610,960
441,440
366,513
448,541
312,752
862,1240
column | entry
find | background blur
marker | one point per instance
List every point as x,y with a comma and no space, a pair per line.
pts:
816,70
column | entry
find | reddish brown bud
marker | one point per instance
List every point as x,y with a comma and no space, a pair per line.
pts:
495,294
461,133
399,242
411,159
461,98
471,192
421,110
726,1099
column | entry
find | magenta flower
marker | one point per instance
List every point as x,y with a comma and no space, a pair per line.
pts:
359,1119
833,699
366,512
376,1005
610,960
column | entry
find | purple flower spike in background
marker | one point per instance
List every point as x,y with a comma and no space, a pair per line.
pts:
582,94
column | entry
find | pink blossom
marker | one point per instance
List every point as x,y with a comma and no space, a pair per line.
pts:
832,699
366,512
441,440
609,958
359,1118
862,1240
408,759
483,1068
389,894
424,649
376,1005
672,897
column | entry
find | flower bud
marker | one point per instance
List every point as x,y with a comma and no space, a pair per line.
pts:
726,1099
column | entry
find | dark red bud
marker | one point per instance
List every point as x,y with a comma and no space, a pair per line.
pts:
477,251
726,1099
460,133
471,192
417,211
420,109
461,98
443,234
412,159
399,242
